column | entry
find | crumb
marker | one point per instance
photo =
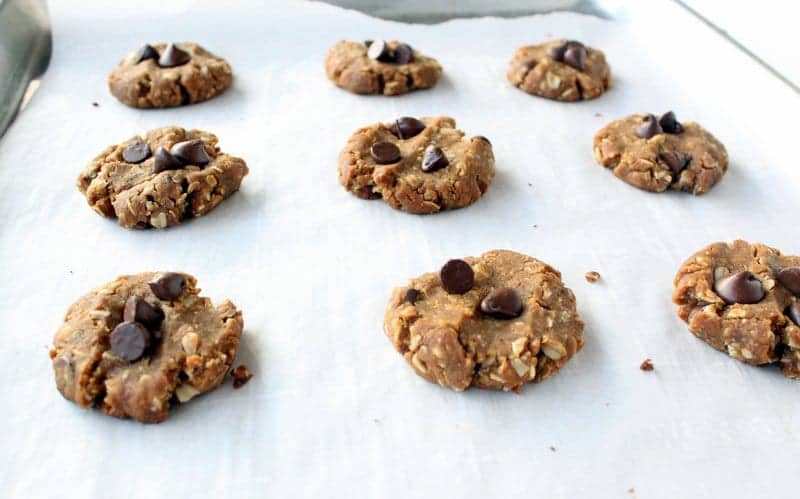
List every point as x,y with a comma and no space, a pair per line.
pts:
95,104
535,226
530,184
552,449
592,276
376,421
647,365
631,490
241,375
598,115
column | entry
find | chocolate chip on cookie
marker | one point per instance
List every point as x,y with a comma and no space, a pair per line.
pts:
403,53
407,127
457,277
168,286
793,312
670,124
741,287
790,278
433,159
191,152
138,310
136,152
173,56
385,153
649,127
145,53
165,161
412,295
502,303
129,340
676,160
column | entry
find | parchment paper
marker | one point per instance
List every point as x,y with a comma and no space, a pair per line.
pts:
333,411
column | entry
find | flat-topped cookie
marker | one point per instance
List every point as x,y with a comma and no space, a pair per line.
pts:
564,70
141,342
743,299
417,165
161,178
497,321
169,75
379,67
657,153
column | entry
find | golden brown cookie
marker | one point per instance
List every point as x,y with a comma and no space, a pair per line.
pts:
563,70
161,178
743,299
497,321
418,166
141,342
169,75
378,67
659,153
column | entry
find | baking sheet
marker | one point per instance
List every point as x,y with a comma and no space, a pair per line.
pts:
333,411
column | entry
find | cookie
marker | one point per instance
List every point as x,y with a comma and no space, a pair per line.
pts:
161,178
379,67
418,166
497,321
743,299
142,342
169,75
563,70
659,153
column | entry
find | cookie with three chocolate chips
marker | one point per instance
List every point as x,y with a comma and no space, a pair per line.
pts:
743,299
659,153
564,70
380,67
161,178
497,321
137,345
169,75
422,165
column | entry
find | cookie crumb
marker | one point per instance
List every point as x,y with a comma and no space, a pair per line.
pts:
530,184
598,115
647,365
552,449
241,375
592,276
95,104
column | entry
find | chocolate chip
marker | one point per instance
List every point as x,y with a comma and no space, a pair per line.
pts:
457,277
649,127
481,137
790,278
130,340
669,123
379,51
403,53
741,287
575,55
146,52
502,303
793,312
138,310
412,295
557,52
136,152
165,161
168,286
368,192
191,152
173,56
385,153
676,161
367,43
433,159
406,127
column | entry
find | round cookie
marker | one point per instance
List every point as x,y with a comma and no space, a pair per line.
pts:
161,178
418,166
169,75
513,322
647,155
141,342
563,70
743,299
388,68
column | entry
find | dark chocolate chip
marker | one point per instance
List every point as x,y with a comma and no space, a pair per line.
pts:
173,56
412,295
385,153
406,127
481,137
575,55
669,123
556,52
146,52
368,192
191,152
165,161
138,310
379,51
457,277
676,160
130,340
367,43
790,278
793,312
403,53
649,127
136,152
502,303
741,287
433,159
168,286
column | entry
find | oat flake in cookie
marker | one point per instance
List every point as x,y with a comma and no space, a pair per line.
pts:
655,153
142,342
497,321
380,67
161,178
417,165
743,299
564,70
169,75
